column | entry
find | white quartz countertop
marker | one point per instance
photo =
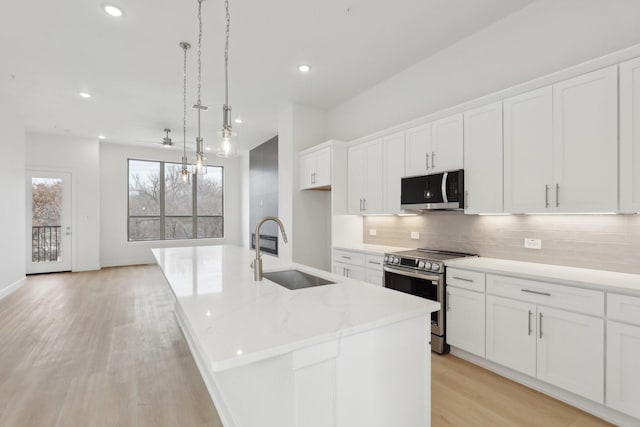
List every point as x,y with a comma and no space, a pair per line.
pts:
235,321
371,249
583,277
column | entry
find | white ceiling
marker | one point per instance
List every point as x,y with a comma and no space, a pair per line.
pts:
51,50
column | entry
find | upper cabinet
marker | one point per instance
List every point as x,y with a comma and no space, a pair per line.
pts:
365,178
630,136
585,143
315,169
555,138
393,171
483,159
434,147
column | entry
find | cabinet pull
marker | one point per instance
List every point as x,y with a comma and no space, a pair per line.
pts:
464,279
360,205
448,307
433,156
427,161
540,326
529,291
374,262
546,196
557,195
347,275
364,204
529,323
345,257
313,178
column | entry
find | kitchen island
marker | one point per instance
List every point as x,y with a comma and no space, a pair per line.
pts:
345,354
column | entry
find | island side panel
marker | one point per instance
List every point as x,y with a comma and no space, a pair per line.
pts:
384,377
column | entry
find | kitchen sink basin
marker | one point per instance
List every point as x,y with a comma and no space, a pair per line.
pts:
295,279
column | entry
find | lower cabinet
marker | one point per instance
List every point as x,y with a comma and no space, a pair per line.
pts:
348,270
358,265
623,369
465,320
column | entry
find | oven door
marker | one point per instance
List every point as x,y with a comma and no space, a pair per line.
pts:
429,286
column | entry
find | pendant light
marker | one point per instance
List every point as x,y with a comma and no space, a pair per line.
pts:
226,137
200,167
185,173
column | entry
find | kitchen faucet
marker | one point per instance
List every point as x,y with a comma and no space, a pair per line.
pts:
257,263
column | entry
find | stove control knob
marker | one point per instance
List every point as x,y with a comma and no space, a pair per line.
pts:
396,260
427,265
386,258
421,265
435,267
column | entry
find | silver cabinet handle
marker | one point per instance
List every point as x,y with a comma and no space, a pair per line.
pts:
313,178
557,195
448,301
466,199
529,291
427,161
360,205
364,204
529,323
374,262
546,196
433,156
345,257
464,279
347,269
540,326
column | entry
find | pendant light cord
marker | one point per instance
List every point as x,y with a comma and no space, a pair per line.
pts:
226,56
185,46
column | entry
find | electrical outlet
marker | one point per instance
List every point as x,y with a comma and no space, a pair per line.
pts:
533,243
372,232
415,235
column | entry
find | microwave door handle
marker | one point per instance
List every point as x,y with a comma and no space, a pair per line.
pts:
445,176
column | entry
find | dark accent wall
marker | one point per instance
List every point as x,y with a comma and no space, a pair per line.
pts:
263,187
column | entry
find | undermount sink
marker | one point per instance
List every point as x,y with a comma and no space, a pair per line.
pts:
295,279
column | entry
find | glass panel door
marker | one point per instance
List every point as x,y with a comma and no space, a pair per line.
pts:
48,197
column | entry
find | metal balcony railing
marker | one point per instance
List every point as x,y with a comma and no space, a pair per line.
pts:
45,243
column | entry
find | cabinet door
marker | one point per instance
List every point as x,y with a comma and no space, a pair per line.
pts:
417,150
322,177
354,272
483,159
374,184
446,144
630,136
393,171
585,134
465,320
355,179
623,370
528,152
511,334
570,352
307,168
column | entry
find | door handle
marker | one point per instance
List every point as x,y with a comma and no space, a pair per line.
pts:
433,156
364,204
546,196
540,327
529,323
557,195
529,291
427,161
448,302
360,205
462,278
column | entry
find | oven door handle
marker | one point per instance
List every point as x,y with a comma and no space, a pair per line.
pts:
411,274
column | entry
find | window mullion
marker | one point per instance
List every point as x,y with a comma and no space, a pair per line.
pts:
162,210
194,194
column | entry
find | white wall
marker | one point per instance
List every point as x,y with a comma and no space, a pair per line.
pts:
115,249
245,234
544,37
80,157
12,190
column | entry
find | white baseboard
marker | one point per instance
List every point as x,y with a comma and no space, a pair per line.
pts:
128,261
12,287
91,267
594,408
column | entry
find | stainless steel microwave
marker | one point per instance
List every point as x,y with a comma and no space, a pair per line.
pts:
444,191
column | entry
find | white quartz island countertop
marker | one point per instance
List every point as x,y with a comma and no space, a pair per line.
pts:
342,355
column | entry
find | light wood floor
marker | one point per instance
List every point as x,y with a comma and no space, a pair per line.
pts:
103,349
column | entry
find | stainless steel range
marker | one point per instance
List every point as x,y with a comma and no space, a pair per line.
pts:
422,273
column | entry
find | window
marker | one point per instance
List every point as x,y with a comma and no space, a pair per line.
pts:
162,207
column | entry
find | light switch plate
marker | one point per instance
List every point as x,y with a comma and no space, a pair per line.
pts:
415,235
532,243
372,232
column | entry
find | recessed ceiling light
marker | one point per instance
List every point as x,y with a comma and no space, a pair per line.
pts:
85,95
238,120
304,68
101,137
113,10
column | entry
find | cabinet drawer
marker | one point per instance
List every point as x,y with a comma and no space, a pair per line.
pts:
624,308
550,294
374,262
348,257
472,280
375,277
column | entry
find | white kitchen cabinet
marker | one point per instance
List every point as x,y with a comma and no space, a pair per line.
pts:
571,352
315,169
465,320
434,147
350,271
483,159
358,265
511,334
393,171
630,136
623,369
365,178
528,152
585,142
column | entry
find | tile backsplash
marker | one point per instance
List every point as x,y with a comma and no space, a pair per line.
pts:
605,242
